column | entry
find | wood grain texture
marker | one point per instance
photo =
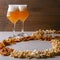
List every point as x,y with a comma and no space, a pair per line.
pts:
44,14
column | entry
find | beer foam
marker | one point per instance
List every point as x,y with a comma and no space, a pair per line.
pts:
12,8
22,7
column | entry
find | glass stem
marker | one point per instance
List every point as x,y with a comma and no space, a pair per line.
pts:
22,27
14,30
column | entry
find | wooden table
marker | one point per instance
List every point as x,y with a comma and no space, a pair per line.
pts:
30,45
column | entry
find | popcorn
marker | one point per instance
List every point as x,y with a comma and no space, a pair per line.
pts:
38,35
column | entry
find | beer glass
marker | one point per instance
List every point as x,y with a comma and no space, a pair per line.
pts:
23,13
13,15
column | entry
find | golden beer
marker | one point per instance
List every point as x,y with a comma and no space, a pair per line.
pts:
13,16
13,13
23,15
23,12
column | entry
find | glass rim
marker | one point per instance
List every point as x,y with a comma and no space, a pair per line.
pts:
17,5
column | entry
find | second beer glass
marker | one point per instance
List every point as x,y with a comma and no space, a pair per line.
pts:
23,13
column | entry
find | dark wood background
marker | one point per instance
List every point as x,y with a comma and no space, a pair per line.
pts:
44,14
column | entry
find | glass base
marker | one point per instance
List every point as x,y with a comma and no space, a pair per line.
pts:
22,35
11,37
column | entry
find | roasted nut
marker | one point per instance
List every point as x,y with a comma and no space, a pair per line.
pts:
2,45
6,51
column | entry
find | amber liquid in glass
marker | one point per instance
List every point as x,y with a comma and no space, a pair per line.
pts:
23,15
13,16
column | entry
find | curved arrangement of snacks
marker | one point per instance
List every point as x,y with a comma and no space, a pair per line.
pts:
38,35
